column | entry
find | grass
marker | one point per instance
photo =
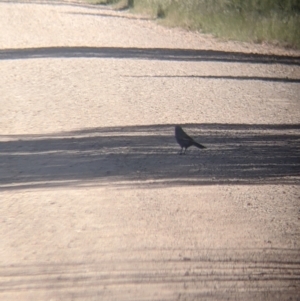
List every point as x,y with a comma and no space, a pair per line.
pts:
271,21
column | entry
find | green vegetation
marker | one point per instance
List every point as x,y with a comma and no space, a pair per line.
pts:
271,21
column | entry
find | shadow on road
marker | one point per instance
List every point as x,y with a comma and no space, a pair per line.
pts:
223,77
59,3
235,154
146,54
110,15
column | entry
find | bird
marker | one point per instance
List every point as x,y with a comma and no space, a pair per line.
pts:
184,140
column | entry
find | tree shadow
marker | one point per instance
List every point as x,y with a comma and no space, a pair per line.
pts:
148,155
60,3
110,15
221,77
166,54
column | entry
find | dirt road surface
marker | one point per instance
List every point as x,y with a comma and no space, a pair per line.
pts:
96,203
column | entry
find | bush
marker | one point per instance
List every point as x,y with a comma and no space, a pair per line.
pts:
272,21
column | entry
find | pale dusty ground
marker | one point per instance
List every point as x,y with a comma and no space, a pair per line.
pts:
95,202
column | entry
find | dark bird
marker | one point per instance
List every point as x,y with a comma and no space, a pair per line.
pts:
184,140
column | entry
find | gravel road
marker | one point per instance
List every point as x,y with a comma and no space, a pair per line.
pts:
96,203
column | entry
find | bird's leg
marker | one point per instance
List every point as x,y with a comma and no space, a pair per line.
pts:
180,153
184,150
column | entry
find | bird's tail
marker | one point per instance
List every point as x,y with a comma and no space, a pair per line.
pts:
198,145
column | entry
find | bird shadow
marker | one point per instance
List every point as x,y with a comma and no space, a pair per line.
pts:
138,155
